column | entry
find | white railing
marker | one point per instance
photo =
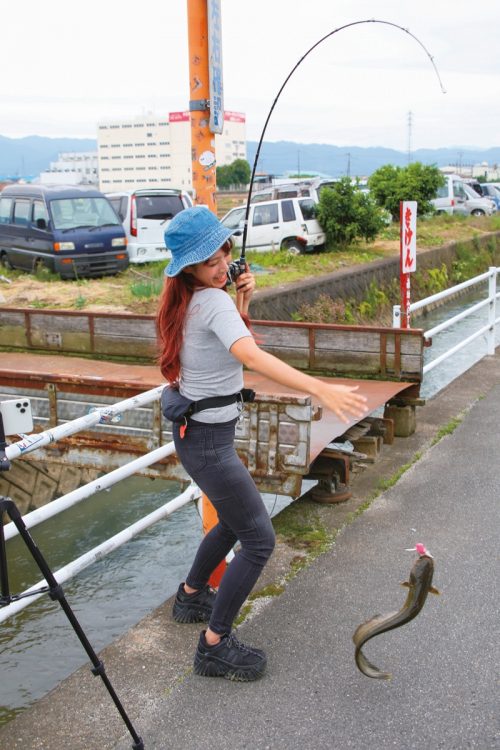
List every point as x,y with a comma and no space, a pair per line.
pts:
97,553
488,328
32,442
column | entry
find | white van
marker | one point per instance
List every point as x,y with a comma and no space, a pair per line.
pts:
456,197
273,225
145,214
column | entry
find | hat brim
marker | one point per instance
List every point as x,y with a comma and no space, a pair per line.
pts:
211,243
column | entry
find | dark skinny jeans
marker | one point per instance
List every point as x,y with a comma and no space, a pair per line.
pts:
208,455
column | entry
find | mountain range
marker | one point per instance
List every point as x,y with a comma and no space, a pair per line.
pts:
27,157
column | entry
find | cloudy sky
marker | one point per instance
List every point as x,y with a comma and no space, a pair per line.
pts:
67,65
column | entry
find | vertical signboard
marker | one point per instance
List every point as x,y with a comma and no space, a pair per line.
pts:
408,254
216,124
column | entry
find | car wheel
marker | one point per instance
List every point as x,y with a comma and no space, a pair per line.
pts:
477,212
294,247
5,262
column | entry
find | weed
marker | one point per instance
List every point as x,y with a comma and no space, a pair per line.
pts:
324,310
42,273
146,289
273,589
299,525
374,300
80,302
447,429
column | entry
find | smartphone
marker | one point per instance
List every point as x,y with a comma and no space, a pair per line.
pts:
16,416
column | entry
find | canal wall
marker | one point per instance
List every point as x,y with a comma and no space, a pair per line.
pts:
353,282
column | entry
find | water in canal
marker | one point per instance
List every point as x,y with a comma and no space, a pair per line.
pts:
38,647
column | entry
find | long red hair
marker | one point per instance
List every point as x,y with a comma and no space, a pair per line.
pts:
174,301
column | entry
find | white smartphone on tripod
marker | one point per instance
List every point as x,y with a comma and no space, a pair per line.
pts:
16,416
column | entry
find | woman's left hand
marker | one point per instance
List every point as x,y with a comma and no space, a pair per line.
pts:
245,285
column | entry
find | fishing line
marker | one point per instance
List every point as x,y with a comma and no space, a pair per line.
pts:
331,33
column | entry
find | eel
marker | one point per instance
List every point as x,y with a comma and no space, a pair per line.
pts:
419,585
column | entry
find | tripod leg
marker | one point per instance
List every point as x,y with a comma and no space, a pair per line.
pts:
4,578
57,594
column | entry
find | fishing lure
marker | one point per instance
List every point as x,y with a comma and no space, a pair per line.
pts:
419,585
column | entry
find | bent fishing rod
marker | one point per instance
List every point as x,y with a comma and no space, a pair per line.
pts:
238,267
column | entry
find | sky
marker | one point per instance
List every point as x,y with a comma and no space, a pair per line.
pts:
68,65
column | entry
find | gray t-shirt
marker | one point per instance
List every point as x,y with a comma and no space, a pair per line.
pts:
208,368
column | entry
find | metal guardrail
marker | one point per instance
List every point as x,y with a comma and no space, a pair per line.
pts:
30,443
488,328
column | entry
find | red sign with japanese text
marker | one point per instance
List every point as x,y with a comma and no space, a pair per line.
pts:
408,255
408,236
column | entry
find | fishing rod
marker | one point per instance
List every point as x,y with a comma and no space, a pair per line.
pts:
237,267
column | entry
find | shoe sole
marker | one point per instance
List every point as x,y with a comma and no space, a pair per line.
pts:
210,668
191,614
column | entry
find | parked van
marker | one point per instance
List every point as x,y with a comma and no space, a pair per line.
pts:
456,197
288,223
145,215
74,231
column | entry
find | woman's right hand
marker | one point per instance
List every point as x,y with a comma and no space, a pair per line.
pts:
342,400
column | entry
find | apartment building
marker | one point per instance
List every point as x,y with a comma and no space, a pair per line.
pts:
156,152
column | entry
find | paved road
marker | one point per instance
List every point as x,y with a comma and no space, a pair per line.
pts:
444,691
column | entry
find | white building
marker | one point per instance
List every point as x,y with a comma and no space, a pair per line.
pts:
474,170
77,168
152,152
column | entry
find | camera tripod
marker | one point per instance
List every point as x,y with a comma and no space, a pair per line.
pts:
56,593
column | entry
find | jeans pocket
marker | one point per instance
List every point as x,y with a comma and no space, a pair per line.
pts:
191,450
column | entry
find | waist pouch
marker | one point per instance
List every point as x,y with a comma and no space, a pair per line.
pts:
178,408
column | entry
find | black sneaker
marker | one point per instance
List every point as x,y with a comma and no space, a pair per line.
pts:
229,659
195,607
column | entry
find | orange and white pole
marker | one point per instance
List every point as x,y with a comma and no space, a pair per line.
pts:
202,139
202,163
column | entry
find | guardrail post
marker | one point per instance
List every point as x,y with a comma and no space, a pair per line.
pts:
396,316
52,391
492,293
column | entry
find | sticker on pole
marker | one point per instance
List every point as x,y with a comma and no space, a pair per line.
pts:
408,215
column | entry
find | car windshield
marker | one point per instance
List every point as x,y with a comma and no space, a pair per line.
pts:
233,218
162,207
72,213
470,192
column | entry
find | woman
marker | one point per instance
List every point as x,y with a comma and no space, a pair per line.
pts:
205,341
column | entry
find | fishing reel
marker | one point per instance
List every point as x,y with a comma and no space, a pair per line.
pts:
235,269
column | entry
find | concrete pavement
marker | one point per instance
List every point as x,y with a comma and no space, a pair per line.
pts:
443,693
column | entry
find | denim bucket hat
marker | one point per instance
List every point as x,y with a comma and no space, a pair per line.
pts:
193,236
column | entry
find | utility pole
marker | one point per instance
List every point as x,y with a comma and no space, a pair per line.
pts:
202,139
207,118
348,171
410,123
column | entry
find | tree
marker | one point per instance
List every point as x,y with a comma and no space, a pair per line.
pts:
237,173
348,214
417,182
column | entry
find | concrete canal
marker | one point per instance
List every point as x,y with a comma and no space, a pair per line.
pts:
38,647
